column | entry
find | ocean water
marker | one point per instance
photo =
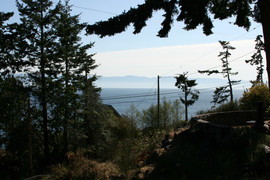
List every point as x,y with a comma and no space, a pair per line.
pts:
122,98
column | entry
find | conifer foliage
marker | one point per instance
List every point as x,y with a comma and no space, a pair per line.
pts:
44,62
222,93
257,58
186,85
36,21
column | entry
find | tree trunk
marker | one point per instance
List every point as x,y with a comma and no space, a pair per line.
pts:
264,6
230,85
44,91
186,106
65,125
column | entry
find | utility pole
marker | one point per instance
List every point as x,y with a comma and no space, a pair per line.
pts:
158,101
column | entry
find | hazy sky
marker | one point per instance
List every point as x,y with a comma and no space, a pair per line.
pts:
146,54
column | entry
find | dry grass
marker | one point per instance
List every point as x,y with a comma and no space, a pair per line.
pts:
79,167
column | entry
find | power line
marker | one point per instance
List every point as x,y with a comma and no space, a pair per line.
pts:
229,62
245,33
95,10
205,54
170,92
91,9
146,95
166,92
139,96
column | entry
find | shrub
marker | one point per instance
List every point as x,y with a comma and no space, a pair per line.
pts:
230,106
80,167
258,92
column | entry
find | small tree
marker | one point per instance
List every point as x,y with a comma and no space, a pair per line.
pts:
170,112
257,59
222,93
133,114
186,85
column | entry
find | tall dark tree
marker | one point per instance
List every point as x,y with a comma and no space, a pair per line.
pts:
74,65
186,85
257,58
221,93
90,99
68,29
37,17
193,13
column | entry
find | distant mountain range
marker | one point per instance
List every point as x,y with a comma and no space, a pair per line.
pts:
146,82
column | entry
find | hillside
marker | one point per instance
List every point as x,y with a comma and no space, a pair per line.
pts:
209,153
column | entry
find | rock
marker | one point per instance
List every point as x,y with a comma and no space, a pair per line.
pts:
266,149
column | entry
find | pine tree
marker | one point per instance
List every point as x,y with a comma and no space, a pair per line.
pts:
257,59
37,17
75,65
186,85
68,29
221,93
90,98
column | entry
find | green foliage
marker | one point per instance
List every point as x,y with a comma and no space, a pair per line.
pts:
222,93
11,39
258,92
186,85
230,106
133,114
170,112
257,59
65,105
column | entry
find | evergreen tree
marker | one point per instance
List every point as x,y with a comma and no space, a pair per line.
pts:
74,66
186,85
67,31
37,17
257,59
221,93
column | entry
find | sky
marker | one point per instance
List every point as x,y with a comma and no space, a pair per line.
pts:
145,54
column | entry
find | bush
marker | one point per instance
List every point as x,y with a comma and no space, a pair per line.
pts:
79,167
258,92
230,106
170,112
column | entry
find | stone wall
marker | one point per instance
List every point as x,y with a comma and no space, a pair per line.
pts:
231,118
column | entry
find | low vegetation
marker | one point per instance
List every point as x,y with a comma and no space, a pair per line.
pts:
239,153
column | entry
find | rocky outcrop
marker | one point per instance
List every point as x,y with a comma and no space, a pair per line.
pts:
204,150
231,118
